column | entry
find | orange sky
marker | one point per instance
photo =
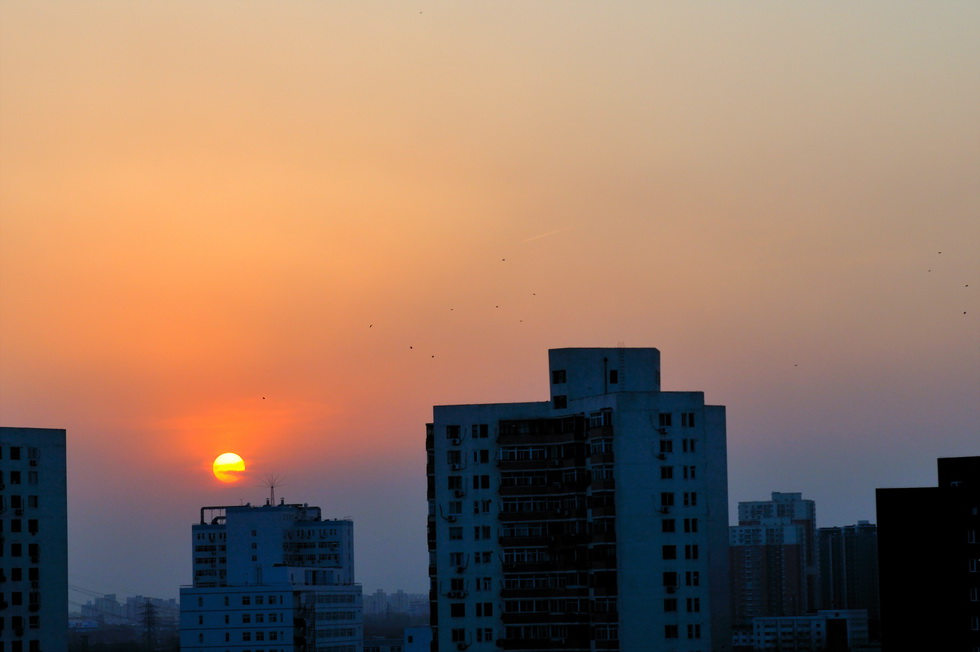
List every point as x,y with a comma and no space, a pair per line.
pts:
250,226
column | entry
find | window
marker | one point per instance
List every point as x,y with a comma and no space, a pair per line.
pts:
456,559
668,552
691,551
666,446
558,377
484,609
455,483
613,376
481,456
670,605
670,578
666,472
690,498
15,452
690,525
667,525
694,605
484,584
457,609
667,499
481,532
692,578
246,636
480,430
458,635
561,402
689,446
452,432
481,481
665,419
454,457
694,631
484,634
687,419
689,472
455,507
246,618
456,533
670,631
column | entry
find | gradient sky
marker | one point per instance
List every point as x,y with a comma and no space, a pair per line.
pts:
249,226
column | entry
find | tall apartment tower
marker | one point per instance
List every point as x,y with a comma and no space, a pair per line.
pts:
774,558
276,578
33,540
849,570
596,520
929,561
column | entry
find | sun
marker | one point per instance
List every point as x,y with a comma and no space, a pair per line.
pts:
228,467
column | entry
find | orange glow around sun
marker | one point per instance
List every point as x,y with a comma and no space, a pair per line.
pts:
228,467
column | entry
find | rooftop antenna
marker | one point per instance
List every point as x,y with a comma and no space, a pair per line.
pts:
272,481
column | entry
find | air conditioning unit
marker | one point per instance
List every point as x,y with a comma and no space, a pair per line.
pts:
33,462
461,569
451,518
662,430
455,467
454,441
665,510
661,456
671,589
459,493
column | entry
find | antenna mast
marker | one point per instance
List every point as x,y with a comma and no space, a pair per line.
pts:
272,481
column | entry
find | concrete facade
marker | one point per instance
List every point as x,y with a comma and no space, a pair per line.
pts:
275,578
596,520
33,539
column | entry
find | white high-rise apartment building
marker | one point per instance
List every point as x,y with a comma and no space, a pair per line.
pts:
596,520
33,540
276,578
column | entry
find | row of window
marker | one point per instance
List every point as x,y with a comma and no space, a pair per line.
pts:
482,609
17,502
17,574
17,477
690,499
687,446
17,550
670,551
689,472
673,631
17,525
16,452
477,431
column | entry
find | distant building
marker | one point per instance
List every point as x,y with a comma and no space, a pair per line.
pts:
849,570
838,630
929,561
773,558
276,578
33,540
592,521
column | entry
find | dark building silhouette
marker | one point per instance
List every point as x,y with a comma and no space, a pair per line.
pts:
849,570
929,561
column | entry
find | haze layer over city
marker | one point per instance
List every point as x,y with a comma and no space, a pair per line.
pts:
287,230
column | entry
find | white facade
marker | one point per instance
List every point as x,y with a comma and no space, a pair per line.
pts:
275,578
33,540
839,628
593,521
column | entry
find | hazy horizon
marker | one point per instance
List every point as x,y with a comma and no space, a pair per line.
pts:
287,230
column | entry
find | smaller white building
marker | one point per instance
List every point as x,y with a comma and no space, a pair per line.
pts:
836,629
275,578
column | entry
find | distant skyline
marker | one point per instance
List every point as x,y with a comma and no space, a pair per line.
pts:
288,230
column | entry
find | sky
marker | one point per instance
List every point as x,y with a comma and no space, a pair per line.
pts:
288,229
